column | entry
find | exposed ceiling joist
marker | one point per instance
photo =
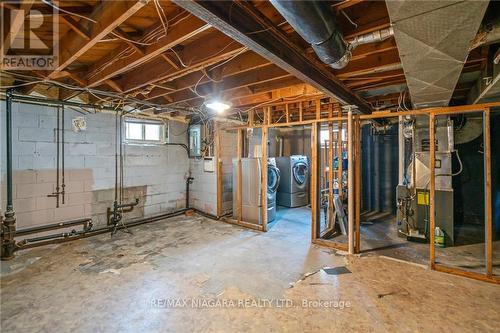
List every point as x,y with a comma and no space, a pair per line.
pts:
262,75
213,48
107,16
179,33
245,62
245,24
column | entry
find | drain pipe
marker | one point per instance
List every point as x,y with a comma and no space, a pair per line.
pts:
9,222
189,181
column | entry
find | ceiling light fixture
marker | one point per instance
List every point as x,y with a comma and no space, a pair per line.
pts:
218,106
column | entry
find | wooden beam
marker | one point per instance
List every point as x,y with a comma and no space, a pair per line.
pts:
115,86
75,26
245,62
211,49
346,4
270,91
371,64
108,15
259,76
236,19
179,33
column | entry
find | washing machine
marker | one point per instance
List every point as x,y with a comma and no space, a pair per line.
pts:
273,181
293,190
251,195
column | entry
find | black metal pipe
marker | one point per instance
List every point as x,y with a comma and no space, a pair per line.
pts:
63,184
316,24
59,238
8,125
180,145
9,222
54,226
189,181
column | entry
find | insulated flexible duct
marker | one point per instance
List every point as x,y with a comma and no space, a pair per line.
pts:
315,23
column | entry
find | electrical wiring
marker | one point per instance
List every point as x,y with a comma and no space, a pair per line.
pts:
179,58
21,84
113,97
49,3
349,19
161,15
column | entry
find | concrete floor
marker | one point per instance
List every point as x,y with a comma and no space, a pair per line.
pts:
122,284
379,235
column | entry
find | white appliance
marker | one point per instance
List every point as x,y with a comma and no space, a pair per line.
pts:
251,194
293,190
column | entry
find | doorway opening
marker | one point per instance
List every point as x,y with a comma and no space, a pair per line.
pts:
288,179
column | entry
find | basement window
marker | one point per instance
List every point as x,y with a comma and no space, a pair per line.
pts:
139,131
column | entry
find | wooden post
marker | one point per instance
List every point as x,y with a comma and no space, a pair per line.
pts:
339,160
432,189
330,176
250,118
287,113
218,165
314,181
238,175
350,180
487,192
301,112
264,178
318,109
357,179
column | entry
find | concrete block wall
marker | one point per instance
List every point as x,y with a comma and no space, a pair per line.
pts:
203,190
155,174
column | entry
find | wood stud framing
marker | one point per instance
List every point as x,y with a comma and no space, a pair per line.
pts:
487,193
263,182
357,155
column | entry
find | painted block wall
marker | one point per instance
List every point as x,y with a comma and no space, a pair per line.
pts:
203,190
155,174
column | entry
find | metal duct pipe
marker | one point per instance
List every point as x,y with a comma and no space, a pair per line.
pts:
489,33
315,23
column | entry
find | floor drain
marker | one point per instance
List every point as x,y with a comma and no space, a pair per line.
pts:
336,270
